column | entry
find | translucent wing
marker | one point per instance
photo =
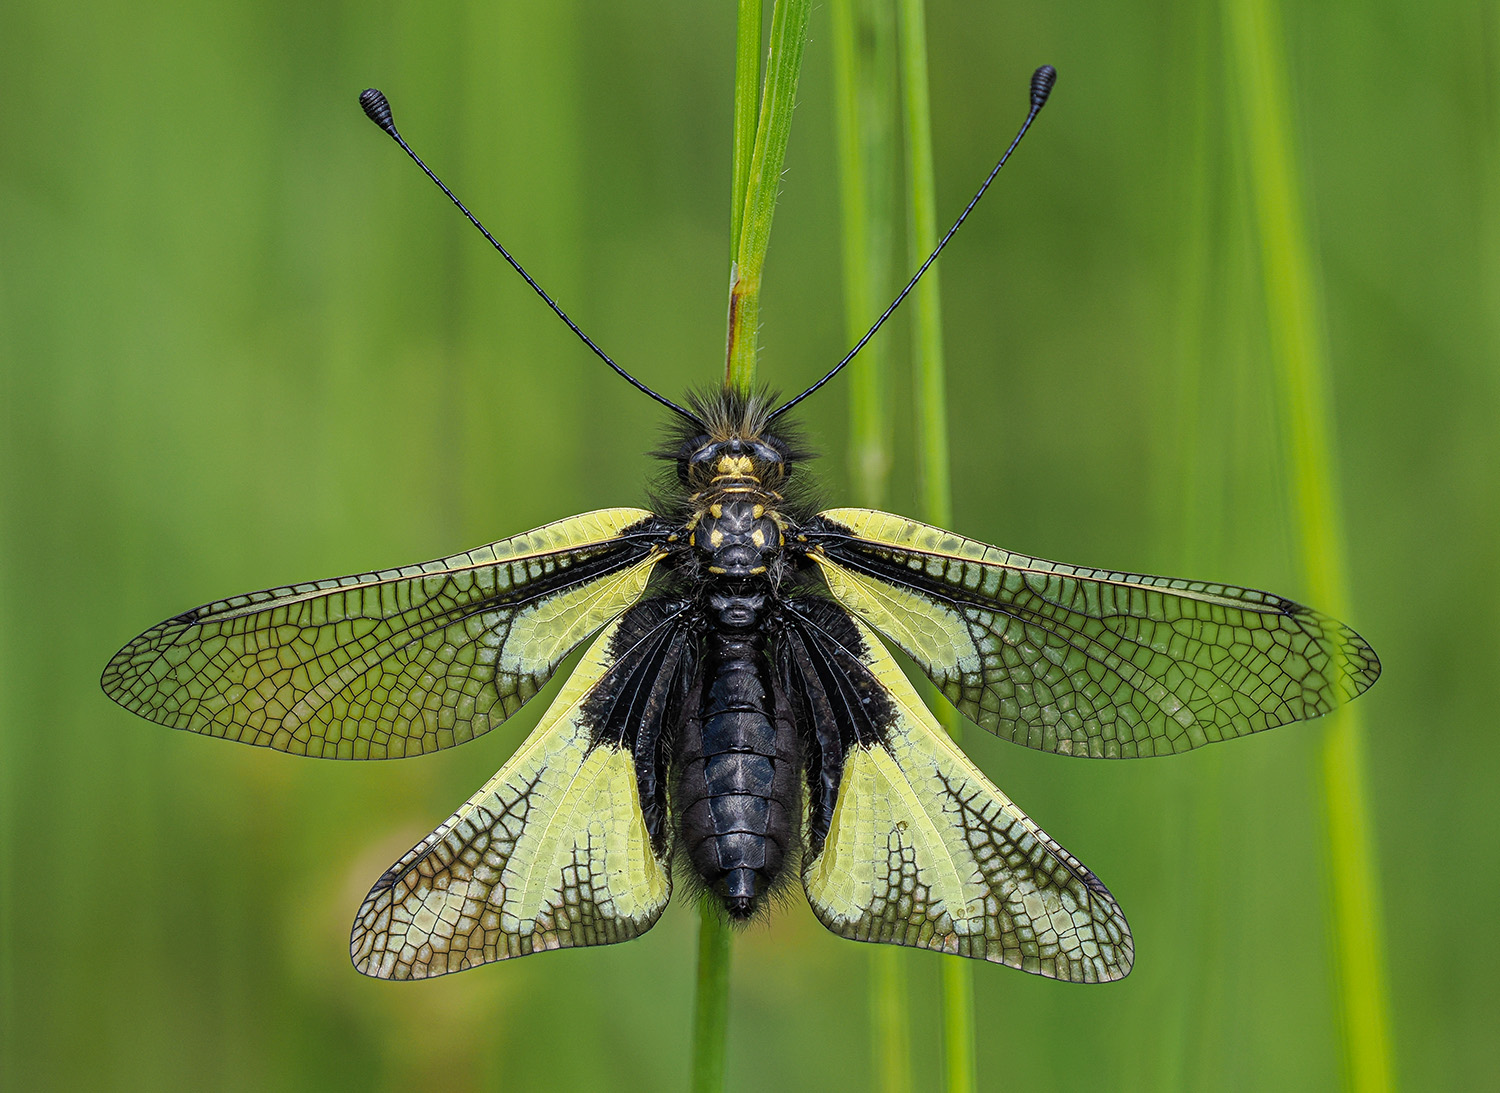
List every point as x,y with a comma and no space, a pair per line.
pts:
394,663
922,850
553,852
1084,661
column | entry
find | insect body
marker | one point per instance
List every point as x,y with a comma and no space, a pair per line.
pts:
738,717
737,782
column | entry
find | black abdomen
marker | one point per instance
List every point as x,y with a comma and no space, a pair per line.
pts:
739,784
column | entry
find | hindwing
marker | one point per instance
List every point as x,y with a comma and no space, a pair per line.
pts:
923,850
1086,661
396,662
553,852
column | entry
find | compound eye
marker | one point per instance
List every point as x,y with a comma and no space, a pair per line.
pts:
764,453
693,458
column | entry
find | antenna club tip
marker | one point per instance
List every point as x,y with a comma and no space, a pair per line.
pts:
1041,85
377,109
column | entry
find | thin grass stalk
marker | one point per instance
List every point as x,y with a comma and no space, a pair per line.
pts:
1296,323
1490,210
711,1002
1192,502
1182,484
935,492
864,70
863,36
890,1019
756,173
779,95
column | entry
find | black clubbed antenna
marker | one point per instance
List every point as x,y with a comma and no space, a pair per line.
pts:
379,111
1041,86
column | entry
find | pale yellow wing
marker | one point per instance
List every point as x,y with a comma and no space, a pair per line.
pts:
924,851
398,662
553,852
1086,661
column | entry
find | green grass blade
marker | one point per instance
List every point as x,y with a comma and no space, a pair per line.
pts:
890,1019
778,98
958,1025
1191,507
932,441
746,106
863,37
864,71
1296,327
927,330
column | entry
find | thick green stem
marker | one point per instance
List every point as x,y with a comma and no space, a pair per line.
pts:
932,442
778,97
1296,323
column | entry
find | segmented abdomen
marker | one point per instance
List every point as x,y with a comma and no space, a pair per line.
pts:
738,791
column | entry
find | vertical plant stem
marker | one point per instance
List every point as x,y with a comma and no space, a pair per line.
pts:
711,1006
1297,343
864,76
932,442
778,97
757,174
1190,503
863,34
890,1019
927,329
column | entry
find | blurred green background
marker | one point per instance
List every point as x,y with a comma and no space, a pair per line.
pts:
243,342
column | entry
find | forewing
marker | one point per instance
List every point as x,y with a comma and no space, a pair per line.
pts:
552,853
1085,661
398,662
924,851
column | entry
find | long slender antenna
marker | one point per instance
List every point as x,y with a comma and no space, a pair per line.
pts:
1041,86
379,111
